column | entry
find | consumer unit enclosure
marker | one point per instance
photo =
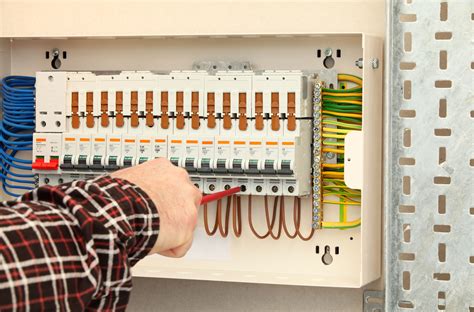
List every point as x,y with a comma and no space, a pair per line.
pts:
355,253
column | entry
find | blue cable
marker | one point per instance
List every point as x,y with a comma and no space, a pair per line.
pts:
16,133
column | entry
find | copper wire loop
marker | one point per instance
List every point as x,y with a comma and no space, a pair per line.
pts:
233,204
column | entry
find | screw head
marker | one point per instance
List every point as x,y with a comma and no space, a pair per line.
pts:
330,155
212,187
275,189
328,52
258,188
226,187
359,63
291,189
375,63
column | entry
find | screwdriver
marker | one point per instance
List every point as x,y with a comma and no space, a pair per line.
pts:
219,195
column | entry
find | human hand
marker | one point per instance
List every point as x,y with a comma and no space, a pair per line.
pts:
176,199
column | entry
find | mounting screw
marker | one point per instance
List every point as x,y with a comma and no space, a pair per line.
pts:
328,52
360,63
375,63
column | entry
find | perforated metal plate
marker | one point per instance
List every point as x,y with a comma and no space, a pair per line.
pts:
429,156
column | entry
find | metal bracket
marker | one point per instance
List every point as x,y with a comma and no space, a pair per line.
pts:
374,301
214,66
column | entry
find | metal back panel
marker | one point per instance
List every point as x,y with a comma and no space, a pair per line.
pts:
429,156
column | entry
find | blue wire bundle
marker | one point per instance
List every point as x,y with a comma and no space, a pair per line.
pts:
16,133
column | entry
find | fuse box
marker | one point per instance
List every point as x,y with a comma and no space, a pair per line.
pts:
253,116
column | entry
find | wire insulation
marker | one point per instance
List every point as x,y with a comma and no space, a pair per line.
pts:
16,133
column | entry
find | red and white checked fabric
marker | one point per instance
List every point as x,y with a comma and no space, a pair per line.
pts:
70,247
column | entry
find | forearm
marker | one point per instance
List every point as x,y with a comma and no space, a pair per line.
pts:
72,245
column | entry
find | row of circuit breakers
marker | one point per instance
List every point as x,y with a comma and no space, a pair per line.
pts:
229,128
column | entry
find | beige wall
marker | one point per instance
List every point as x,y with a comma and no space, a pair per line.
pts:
91,18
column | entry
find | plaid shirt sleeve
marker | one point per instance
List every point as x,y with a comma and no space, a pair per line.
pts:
70,247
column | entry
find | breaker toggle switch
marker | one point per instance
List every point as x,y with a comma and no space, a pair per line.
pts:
175,161
97,163
128,161
67,163
39,164
237,166
253,167
269,167
142,160
205,167
190,164
221,166
286,167
112,163
81,163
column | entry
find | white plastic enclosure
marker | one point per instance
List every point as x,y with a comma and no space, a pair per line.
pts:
247,259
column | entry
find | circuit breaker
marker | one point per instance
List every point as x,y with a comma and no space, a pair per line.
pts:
226,128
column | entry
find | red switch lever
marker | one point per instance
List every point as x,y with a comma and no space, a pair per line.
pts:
39,164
